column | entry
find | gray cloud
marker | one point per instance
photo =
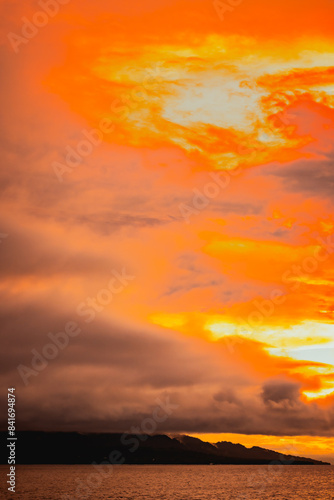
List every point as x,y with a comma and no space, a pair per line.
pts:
109,376
281,395
315,178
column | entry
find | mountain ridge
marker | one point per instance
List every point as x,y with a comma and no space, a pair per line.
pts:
240,451
36,447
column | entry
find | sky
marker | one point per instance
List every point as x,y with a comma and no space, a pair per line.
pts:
167,227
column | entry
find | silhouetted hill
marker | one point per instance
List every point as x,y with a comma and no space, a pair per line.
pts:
76,448
231,451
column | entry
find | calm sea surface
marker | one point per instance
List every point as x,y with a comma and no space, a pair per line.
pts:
171,482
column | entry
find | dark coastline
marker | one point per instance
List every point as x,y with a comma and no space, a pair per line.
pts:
78,448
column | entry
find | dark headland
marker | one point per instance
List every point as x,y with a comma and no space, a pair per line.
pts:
81,448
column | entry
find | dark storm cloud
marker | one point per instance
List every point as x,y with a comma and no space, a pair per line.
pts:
107,223
226,395
315,178
237,208
109,377
29,252
277,392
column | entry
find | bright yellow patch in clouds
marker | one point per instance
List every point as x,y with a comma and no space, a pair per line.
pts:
309,341
218,96
168,320
304,335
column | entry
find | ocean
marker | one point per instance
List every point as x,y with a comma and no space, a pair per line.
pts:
171,482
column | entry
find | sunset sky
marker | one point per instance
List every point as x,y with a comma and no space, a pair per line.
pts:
167,185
